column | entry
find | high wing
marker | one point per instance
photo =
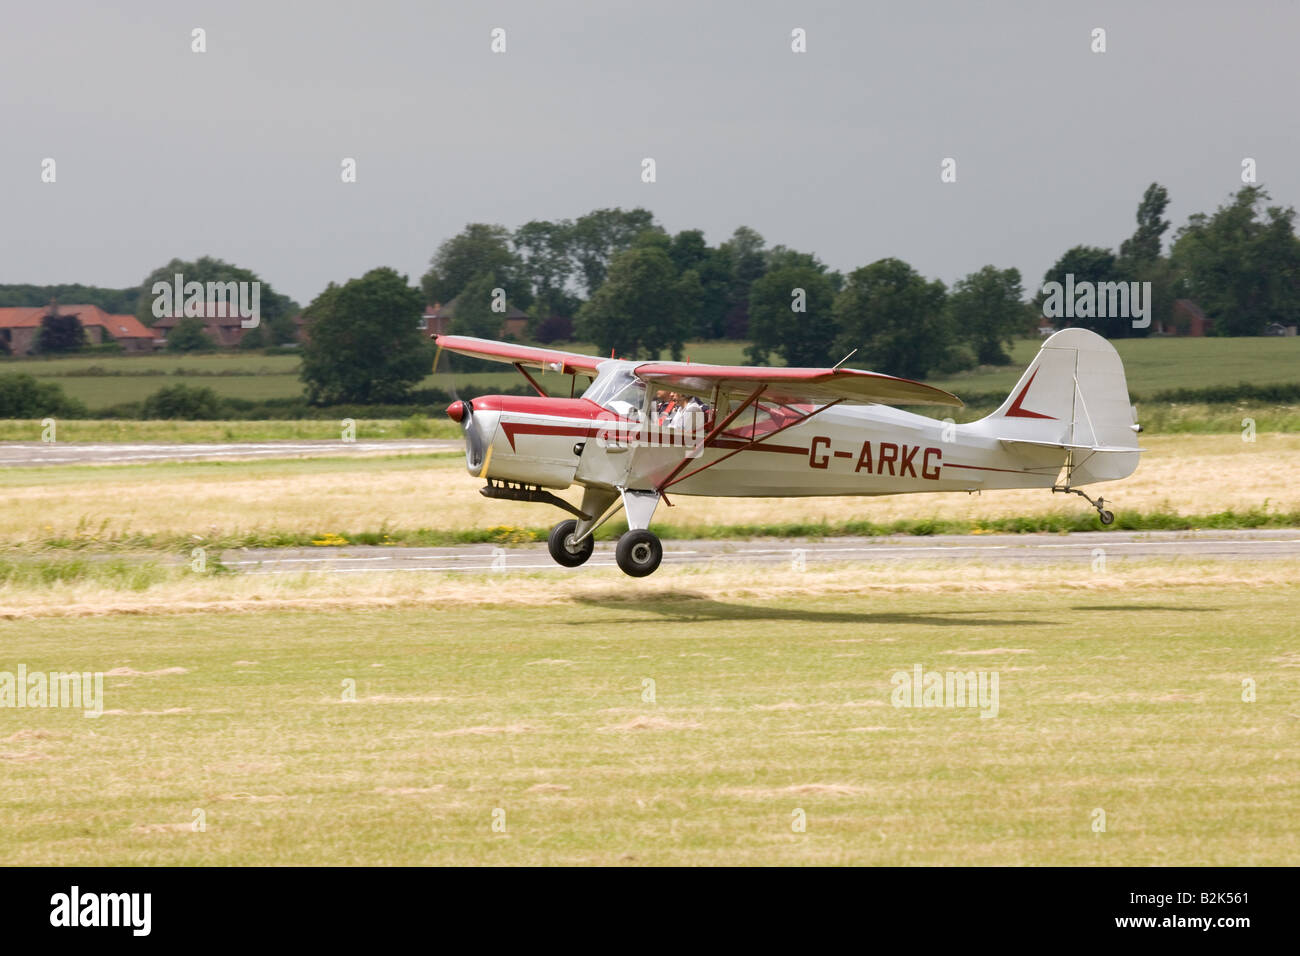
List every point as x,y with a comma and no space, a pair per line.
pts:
791,386
550,360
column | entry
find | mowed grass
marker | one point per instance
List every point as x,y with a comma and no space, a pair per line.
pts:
182,505
681,720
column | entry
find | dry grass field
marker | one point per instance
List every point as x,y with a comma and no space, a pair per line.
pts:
97,505
687,719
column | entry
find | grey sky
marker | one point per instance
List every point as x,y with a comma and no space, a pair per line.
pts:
236,152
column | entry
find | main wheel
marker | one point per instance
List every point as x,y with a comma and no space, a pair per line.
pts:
639,553
1106,517
562,548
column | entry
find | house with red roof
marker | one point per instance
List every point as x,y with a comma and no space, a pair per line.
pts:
20,328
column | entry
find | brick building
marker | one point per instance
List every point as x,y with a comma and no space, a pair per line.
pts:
20,328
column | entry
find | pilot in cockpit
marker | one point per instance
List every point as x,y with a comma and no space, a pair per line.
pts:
673,410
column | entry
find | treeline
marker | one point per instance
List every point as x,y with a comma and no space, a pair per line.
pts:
1239,264
618,279
113,301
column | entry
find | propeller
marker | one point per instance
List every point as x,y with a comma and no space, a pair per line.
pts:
463,412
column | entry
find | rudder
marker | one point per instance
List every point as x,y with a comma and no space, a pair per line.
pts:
1074,396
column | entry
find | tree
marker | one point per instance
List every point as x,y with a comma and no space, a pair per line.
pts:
782,257
474,314
1086,264
255,338
60,333
478,249
987,312
544,251
24,396
1145,243
189,335
1140,259
748,261
275,311
557,328
894,318
364,343
791,312
1242,264
601,235
183,401
688,250
640,307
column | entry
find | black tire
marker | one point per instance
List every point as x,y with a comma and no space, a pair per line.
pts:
560,550
1106,517
639,553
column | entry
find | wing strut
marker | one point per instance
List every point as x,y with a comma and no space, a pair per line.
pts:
531,381
673,478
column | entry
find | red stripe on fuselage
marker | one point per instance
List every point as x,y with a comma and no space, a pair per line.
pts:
512,429
1010,471
758,446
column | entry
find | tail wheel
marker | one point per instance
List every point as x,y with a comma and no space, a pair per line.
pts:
639,553
562,548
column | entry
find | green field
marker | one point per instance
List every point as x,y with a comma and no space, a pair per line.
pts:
156,363
1156,364
1151,365
760,711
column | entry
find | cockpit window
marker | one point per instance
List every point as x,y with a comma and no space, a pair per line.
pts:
620,391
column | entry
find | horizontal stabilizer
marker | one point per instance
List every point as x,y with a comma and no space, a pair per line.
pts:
1012,442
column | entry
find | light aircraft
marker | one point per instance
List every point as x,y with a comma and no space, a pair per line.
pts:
642,430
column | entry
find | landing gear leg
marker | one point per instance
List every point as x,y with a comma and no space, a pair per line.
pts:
1106,516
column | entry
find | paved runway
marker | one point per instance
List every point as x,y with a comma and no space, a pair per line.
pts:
980,549
30,453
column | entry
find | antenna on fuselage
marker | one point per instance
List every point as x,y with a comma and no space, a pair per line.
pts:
843,360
